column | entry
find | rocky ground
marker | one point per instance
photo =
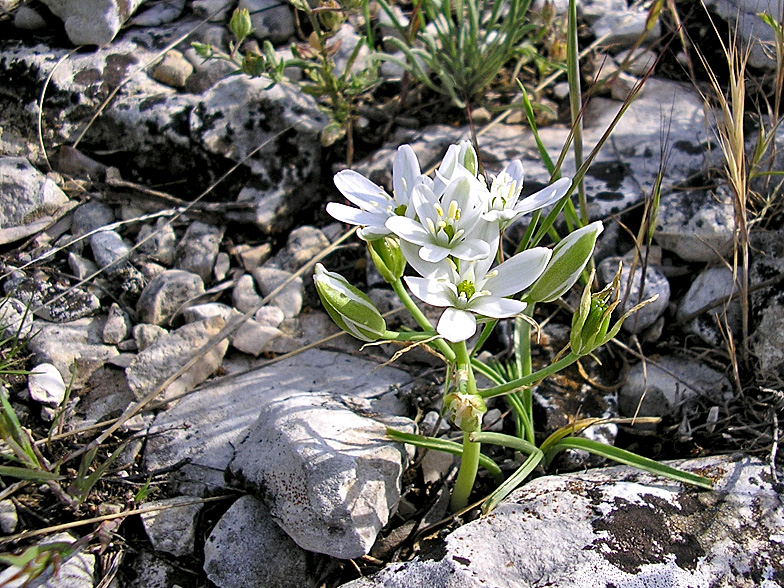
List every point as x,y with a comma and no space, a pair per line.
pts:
159,222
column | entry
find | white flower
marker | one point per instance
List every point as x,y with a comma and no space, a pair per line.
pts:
459,161
373,205
450,225
473,290
503,205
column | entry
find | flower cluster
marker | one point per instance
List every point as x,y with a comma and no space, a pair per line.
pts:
449,227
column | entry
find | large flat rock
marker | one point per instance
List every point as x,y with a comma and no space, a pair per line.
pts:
206,426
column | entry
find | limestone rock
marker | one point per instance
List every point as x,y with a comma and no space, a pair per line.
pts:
169,353
117,326
75,346
92,22
45,385
219,414
166,294
710,286
173,528
329,477
696,225
289,299
615,527
27,193
271,20
247,548
656,284
15,319
667,384
198,248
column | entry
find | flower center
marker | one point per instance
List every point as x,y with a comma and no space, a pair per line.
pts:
400,210
466,288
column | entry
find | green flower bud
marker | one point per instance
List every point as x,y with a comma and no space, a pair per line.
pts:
569,259
350,308
204,50
253,65
591,323
388,258
465,410
240,24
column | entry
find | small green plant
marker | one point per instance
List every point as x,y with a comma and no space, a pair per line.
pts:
338,89
457,48
448,230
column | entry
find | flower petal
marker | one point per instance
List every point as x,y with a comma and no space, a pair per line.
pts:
408,230
361,191
456,325
433,253
471,250
405,171
433,292
355,216
518,272
423,268
496,307
543,197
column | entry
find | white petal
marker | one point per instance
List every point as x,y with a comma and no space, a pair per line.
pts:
408,229
543,197
422,267
515,171
456,325
405,171
361,191
495,307
472,250
355,216
433,253
433,292
372,233
518,272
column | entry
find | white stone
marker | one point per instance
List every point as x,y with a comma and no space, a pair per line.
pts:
206,425
92,22
327,474
247,548
696,225
614,527
161,360
710,286
254,339
667,383
172,528
289,299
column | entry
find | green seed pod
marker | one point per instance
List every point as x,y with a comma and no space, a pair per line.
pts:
569,259
388,258
350,308
465,410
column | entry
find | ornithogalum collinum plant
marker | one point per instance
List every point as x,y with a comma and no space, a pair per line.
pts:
448,230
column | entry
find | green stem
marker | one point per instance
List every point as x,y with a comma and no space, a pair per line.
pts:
408,335
469,465
421,319
530,379
575,101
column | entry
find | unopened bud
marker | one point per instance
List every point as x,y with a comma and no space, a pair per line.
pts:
591,322
350,308
568,261
388,258
240,24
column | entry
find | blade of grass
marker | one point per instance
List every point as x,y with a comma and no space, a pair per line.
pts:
628,458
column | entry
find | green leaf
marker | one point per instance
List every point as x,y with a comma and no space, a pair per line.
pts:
442,445
28,474
628,458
